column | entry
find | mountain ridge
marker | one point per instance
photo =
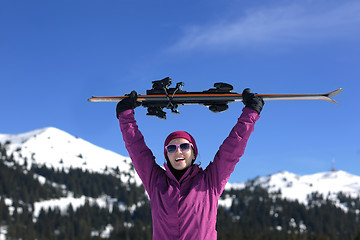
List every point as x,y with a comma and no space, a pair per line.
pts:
294,187
58,149
48,175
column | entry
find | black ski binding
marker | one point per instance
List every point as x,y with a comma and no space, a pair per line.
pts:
161,87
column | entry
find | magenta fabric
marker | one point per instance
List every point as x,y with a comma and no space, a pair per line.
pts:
186,209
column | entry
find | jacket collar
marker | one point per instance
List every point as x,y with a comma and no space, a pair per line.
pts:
190,173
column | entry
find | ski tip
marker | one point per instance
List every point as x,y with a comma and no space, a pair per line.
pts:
333,93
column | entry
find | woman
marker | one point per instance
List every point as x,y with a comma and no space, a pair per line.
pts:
183,196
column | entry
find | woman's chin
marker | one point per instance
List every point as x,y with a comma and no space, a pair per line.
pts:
180,166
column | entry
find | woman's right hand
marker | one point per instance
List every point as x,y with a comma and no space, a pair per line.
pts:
127,103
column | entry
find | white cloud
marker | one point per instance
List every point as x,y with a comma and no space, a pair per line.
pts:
306,23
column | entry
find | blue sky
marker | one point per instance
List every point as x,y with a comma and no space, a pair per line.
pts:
54,55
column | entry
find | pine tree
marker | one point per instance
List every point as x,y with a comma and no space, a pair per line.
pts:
357,237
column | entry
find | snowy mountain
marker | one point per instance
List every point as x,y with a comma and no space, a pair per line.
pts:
48,160
297,188
57,149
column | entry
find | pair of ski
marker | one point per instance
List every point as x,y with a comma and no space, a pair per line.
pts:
216,99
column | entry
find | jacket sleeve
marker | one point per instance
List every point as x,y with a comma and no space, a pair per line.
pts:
141,156
231,150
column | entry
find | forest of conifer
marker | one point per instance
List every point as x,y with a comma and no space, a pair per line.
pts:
254,213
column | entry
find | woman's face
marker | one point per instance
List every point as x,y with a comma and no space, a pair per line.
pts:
180,159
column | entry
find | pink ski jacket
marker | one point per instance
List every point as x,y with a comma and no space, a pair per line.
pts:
186,209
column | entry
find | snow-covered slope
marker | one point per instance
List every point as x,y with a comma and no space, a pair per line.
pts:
58,149
55,148
295,187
